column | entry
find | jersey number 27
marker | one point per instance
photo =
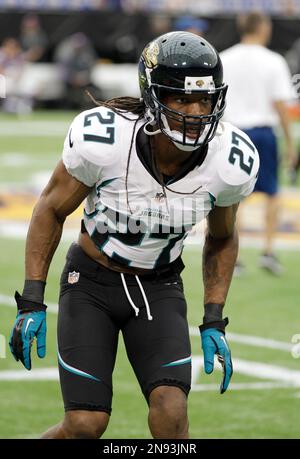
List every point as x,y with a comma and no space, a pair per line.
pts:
110,131
237,153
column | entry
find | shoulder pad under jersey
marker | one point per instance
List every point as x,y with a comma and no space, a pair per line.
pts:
237,165
94,141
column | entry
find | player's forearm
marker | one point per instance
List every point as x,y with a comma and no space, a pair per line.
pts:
219,257
42,240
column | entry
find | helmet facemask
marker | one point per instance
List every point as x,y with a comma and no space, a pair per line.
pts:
203,126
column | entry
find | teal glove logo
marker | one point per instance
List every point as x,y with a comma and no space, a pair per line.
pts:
214,343
27,326
225,342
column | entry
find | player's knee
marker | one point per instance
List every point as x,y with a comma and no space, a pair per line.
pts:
85,424
169,403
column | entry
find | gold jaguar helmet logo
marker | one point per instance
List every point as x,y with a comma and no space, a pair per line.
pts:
150,55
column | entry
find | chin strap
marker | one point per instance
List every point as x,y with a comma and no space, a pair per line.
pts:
151,122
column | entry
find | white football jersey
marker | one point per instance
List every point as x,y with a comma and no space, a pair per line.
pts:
145,226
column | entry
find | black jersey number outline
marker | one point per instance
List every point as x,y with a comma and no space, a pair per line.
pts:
236,152
110,131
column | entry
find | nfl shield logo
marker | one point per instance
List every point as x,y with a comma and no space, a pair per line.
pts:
73,277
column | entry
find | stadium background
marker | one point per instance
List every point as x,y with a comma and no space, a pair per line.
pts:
264,399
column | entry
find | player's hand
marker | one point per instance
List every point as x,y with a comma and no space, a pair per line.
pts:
214,343
30,323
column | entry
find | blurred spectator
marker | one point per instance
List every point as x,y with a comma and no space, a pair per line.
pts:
76,57
12,65
158,24
33,39
293,57
126,45
259,89
191,24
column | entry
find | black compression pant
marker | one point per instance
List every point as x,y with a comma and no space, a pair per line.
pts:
94,307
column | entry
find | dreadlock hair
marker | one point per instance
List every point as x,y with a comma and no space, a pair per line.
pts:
122,105
249,24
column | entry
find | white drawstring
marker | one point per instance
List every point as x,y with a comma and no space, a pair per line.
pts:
145,298
136,310
128,295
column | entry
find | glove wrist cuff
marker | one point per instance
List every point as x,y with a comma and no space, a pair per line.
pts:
24,305
218,324
213,312
34,290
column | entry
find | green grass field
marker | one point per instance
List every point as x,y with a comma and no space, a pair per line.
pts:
258,305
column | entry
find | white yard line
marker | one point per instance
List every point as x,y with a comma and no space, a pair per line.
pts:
267,371
256,341
38,374
259,342
280,377
253,369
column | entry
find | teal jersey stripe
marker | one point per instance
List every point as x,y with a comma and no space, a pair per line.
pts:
212,200
178,362
105,183
75,370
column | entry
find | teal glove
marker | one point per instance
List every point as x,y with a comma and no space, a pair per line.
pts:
214,342
30,323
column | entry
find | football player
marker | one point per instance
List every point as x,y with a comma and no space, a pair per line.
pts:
149,169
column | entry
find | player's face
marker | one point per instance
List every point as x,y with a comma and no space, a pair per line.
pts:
188,104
